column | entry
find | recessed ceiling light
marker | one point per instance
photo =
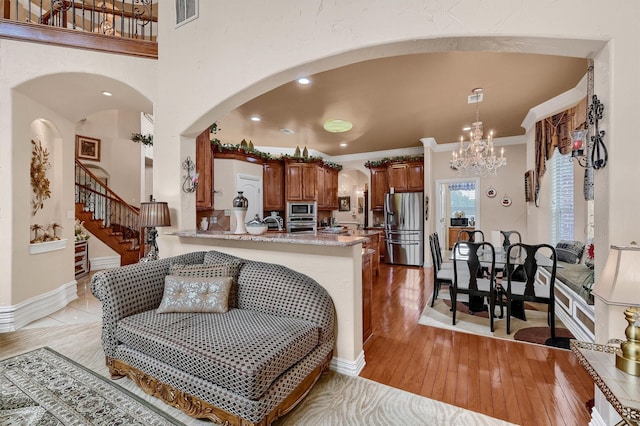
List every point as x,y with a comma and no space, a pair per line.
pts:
255,118
338,126
287,131
104,92
466,129
343,144
304,80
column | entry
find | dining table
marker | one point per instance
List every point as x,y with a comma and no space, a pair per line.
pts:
476,303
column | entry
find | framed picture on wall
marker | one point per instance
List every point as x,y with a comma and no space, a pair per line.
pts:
344,204
87,148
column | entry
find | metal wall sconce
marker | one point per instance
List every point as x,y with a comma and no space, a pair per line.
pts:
190,182
598,151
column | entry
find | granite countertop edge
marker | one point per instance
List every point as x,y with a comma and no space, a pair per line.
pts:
318,239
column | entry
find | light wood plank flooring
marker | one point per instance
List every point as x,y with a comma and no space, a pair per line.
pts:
519,382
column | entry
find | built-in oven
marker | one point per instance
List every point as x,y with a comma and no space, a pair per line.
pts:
302,226
301,217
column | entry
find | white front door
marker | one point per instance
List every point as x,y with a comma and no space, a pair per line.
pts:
251,187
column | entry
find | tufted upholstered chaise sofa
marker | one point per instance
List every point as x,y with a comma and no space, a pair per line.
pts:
249,365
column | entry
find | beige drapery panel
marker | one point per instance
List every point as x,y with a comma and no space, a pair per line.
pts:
555,131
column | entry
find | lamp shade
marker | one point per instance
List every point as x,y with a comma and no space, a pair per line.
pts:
620,281
155,213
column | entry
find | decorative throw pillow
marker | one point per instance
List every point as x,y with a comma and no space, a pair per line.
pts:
212,270
569,251
195,294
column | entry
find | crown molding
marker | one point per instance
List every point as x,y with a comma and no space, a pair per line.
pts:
555,105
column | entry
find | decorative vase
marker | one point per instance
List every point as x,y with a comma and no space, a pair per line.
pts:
240,204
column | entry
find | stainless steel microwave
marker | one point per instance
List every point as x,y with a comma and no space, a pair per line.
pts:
295,208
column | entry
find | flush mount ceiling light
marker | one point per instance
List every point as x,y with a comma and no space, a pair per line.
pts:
338,126
343,144
255,118
104,92
287,131
304,80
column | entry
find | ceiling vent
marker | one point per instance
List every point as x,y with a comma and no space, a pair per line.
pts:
476,97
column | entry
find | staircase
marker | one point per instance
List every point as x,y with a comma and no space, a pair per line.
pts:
106,216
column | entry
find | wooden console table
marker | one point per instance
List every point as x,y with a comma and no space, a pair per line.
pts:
620,389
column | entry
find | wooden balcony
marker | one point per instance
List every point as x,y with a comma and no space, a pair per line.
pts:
123,28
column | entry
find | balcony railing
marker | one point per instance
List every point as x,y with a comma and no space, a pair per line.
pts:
127,27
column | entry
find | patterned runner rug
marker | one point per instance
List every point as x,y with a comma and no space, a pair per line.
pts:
44,387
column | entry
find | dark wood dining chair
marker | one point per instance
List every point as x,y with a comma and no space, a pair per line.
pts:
440,276
509,237
521,279
467,273
472,236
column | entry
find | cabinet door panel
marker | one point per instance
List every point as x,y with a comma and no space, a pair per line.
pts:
322,189
273,182
378,187
416,177
204,166
309,182
397,175
293,182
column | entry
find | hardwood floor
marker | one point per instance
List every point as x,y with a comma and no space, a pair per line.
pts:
519,382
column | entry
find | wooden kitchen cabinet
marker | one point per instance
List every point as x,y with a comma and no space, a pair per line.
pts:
415,177
406,177
301,181
204,167
273,185
379,187
327,188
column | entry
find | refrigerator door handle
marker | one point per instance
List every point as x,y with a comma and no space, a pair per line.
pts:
400,243
403,233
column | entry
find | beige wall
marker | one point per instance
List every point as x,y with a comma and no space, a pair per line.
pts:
24,276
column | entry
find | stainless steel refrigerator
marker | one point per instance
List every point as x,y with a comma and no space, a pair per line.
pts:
404,228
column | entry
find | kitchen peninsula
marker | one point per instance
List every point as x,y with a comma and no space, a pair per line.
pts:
335,261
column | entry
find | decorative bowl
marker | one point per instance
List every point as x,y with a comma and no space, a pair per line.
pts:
257,229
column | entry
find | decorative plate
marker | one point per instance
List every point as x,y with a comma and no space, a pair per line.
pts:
491,192
506,201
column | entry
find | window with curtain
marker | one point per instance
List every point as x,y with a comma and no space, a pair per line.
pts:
463,198
562,198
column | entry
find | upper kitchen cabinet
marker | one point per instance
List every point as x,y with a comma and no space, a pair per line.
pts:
379,187
204,167
327,188
406,177
403,174
273,185
301,180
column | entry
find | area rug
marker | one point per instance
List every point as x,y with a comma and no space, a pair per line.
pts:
43,387
533,330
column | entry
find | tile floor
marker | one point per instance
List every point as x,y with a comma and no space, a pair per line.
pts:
85,309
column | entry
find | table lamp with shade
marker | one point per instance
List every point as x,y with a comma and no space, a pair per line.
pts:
152,214
620,286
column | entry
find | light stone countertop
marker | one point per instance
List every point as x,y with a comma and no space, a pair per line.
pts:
317,239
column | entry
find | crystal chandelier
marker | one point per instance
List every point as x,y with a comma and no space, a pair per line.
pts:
477,157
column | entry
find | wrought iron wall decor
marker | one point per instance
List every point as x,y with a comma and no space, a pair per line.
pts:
190,182
599,155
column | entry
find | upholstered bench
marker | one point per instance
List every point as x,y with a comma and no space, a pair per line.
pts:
248,361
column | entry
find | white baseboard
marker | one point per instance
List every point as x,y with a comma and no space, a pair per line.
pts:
349,368
16,316
104,262
596,419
